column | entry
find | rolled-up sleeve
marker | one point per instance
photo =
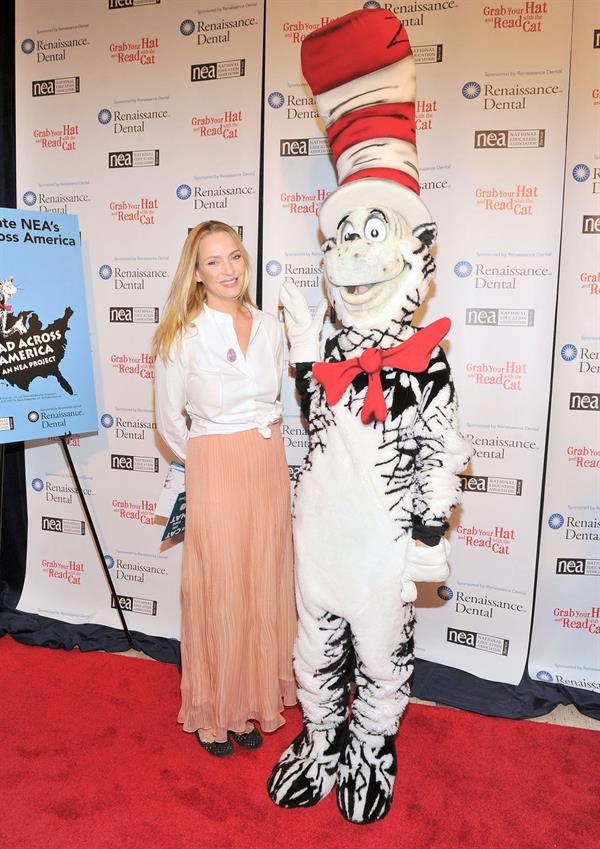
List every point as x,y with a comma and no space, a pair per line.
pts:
170,398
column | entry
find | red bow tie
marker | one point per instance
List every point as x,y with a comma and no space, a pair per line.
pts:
412,355
6,307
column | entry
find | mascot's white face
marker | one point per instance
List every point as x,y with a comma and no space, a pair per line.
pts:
375,267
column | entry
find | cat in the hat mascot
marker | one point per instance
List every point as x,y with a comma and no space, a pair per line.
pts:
381,475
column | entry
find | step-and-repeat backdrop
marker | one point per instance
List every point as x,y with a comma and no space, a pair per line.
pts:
144,119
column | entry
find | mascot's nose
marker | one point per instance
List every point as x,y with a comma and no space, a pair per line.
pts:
371,360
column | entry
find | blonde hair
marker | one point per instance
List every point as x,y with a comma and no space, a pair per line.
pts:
187,297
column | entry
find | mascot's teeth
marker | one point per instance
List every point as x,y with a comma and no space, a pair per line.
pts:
358,290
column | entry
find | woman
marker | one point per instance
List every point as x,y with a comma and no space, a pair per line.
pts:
220,360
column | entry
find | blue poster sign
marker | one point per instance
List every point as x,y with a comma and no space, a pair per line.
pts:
46,374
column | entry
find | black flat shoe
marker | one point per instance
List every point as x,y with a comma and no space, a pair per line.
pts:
248,739
219,750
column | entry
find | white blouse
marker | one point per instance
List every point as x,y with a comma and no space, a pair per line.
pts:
220,389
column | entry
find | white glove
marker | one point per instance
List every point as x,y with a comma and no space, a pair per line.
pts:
424,563
303,329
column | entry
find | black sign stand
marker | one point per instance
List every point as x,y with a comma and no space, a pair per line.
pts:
113,592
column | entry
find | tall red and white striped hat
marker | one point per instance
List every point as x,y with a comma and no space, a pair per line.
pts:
362,73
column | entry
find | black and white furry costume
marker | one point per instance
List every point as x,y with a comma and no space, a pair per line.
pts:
367,493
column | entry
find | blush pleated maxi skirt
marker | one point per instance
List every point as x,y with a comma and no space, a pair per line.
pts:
238,607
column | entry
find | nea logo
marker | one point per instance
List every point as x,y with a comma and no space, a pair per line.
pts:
133,158
491,138
293,147
120,159
128,315
569,566
128,4
591,224
584,401
462,638
64,85
218,70
130,463
63,526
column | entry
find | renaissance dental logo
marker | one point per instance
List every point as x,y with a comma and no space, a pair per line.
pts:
210,32
134,158
134,365
497,540
586,358
573,528
504,276
588,178
508,376
499,447
491,485
294,436
416,14
135,566
62,138
56,201
297,106
492,97
55,50
131,278
131,426
570,618
227,69
578,566
304,274
57,86
504,139
527,17
142,211
520,200
499,317
484,604
480,642
217,197
142,52
303,203
70,571
60,493
134,121
223,126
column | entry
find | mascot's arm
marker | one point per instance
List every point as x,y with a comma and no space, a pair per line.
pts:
303,331
442,454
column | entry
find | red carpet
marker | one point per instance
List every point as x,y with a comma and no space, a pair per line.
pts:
92,758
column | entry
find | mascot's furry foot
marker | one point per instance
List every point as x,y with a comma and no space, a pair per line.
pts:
365,779
306,771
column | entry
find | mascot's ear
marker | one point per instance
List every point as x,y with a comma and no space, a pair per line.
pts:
426,233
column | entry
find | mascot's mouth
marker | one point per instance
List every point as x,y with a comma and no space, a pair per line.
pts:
359,290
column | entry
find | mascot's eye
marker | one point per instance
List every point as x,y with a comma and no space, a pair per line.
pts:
375,229
347,232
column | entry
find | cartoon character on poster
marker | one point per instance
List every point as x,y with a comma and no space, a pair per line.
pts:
381,477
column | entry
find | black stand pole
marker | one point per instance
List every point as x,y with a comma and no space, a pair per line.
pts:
113,592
